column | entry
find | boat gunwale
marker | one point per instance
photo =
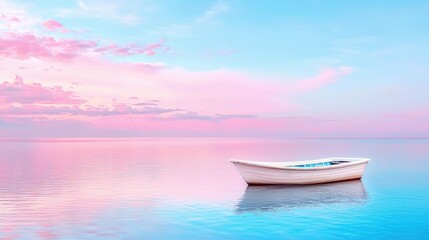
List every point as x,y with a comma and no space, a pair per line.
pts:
290,165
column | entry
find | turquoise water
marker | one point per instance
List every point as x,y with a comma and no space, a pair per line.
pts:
187,189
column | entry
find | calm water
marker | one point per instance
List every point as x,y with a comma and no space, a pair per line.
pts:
187,189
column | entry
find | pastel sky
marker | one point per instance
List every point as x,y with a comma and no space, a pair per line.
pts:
214,68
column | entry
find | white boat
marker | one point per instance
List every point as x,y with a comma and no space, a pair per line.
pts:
302,172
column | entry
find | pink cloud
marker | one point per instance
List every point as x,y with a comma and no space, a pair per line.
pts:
326,77
10,18
152,48
22,93
26,45
132,49
54,25
19,98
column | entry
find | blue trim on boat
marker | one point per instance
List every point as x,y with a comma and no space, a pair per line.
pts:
322,164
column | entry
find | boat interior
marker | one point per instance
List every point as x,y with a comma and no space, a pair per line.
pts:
321,164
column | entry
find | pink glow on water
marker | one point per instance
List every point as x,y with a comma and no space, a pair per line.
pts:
62,183
94,175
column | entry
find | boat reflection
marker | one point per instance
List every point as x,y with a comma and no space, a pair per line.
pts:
277,197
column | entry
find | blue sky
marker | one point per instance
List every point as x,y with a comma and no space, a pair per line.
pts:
280,37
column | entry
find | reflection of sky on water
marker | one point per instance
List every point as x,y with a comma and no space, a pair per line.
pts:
271,198
186,188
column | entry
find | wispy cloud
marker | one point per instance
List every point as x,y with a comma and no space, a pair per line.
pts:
102,9
17,17
213,12
115,10
326,77
10,18
209,16
188,115
88,110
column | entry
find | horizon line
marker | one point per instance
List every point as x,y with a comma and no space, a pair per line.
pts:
95,139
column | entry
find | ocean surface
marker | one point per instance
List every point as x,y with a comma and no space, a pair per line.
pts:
185,188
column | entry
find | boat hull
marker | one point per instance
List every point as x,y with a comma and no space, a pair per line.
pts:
259,175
